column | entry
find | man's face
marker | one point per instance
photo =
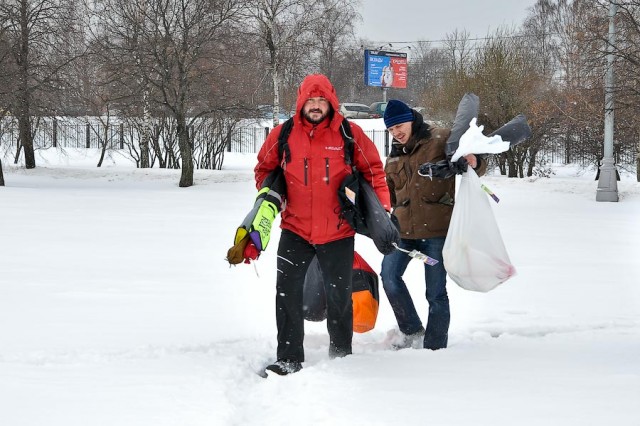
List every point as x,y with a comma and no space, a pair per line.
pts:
401,131
315,110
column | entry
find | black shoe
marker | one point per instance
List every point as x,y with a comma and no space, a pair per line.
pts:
338,352
284,367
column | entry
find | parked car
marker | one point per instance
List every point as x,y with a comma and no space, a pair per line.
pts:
353,110
378,108
266,112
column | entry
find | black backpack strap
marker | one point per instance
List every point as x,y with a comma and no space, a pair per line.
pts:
283,141
347,136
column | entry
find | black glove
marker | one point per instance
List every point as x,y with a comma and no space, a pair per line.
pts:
443,169
438,170
460,166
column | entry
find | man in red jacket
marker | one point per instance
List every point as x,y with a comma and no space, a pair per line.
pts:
310,222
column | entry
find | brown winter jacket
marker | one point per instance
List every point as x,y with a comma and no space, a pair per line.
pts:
422,205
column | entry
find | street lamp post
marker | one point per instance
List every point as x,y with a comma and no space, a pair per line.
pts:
608,184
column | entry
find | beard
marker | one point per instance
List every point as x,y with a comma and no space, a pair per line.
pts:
307,115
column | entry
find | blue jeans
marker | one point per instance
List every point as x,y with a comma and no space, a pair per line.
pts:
393,267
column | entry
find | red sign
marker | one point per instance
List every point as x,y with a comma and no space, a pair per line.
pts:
385,69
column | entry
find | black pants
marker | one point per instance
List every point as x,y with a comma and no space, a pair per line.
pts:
336,262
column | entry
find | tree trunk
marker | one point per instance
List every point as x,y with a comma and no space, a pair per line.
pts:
512,165
155,143
104,143
18,150
275,75
1,175
146,129
102,151
276,95
26,141
24,124
567,147
25,138
502,164
186,153
532,162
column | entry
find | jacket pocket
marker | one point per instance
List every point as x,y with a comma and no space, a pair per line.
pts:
397,173
334,168
296,172
445,199
437,216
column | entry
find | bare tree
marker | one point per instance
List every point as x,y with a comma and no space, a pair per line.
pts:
333,31
118,43
459,51
348,73
285,28
4,74
427,69
94,96
175,48
188,34
7,65
40,37
573,60
444,97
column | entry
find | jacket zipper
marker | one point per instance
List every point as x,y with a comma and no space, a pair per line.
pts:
326,169
306,162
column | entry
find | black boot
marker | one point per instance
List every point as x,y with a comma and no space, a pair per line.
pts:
284,367
335,352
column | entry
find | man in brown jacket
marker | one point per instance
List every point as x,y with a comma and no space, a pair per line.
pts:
423,207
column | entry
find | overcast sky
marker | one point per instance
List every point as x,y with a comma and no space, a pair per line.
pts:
412,20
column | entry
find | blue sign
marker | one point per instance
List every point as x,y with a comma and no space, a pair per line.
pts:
385,69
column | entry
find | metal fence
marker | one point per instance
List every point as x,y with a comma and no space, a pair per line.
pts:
62,134
250,140
52,134
66,133
247,139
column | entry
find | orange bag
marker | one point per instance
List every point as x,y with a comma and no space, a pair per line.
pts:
365,295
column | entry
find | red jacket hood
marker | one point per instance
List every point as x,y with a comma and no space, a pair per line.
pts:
316,85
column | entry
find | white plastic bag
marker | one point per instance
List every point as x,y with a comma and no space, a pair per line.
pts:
474,142
474,255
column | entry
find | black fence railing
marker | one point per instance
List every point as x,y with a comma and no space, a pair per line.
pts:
59,134
250,140
52,133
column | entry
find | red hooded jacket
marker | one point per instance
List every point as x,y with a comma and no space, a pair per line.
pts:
317,168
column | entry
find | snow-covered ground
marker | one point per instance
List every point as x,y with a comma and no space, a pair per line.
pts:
118,308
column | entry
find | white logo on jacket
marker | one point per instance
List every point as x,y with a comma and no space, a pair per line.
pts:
333,148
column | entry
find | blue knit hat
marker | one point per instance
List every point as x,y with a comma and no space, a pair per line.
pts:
397,112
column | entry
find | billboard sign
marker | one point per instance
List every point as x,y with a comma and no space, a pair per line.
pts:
385,69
